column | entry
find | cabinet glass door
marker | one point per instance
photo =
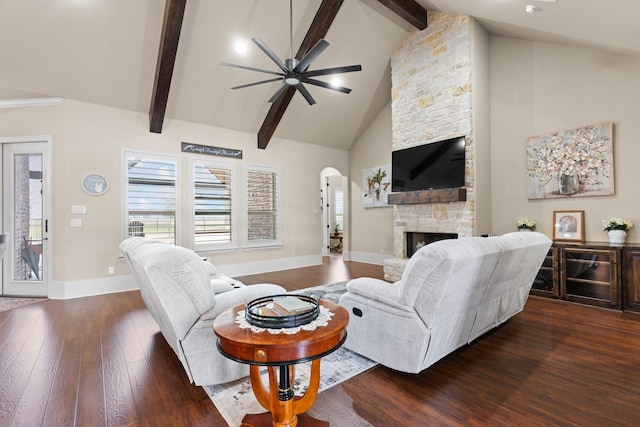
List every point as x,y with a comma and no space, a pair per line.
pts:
545,282
590,274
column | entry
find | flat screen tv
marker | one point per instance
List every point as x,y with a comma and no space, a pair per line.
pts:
429,166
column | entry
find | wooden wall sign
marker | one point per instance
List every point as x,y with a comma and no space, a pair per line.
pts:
188,147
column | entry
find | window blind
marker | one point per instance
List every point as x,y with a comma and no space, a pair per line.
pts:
151,198
212,204
339,208
262,186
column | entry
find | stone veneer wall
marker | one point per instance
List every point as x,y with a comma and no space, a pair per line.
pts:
431,101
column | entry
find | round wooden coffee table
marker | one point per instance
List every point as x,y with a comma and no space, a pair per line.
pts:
281,352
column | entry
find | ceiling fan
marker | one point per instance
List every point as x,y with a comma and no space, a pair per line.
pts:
295,72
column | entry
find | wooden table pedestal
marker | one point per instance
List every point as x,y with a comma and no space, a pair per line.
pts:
279,353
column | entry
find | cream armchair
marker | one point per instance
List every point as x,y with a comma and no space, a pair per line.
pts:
177,288
451,292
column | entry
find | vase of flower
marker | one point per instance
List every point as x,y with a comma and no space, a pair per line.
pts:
617,229
567,182
525,224
617,237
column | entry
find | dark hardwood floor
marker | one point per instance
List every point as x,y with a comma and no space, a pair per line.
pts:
101,361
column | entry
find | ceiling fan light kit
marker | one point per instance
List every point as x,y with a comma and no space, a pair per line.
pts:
294,72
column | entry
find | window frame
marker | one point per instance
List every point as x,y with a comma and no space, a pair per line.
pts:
233,243
278,228
145,155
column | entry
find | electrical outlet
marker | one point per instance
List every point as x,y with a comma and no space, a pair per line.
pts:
293,251
111,270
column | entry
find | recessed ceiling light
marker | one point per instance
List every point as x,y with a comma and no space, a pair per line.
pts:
530,9
240,47
336,82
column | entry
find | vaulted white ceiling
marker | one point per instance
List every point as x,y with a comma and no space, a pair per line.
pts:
105,52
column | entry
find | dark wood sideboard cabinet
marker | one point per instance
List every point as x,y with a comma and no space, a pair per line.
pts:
631,278
593,273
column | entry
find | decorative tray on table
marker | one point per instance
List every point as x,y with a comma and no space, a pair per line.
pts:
282,311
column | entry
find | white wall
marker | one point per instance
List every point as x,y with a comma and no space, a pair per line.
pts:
535,88
480,54
538,88
91,138
371,229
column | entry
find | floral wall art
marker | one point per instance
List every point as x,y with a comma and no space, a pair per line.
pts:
571,163
376,185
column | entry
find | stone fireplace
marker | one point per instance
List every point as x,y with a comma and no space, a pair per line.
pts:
440,90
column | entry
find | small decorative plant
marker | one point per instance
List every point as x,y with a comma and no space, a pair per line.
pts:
529,224
617,224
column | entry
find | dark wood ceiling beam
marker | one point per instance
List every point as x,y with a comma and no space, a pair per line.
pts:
408,10
318,29
171,27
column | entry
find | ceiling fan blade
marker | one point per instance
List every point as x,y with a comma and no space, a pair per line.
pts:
278,92
244,67
270,54
334,70
326,85
311,55
258,83
305,93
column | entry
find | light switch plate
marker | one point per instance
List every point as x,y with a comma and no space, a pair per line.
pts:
76,209
76,222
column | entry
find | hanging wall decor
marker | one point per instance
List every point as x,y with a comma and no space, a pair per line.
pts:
571,163
95,184
376,185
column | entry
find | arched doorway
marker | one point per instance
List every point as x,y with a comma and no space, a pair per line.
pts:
334,212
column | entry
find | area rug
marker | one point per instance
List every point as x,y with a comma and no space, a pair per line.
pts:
11,303
234,400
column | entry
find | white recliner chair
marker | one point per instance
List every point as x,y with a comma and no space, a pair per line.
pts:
451,292
184,295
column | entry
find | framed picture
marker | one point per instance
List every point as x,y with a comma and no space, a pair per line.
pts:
571,163
568,226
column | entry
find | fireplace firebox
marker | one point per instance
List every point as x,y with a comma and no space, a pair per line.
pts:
416,240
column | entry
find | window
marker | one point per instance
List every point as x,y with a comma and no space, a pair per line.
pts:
262,206
339,209
213,205
151,197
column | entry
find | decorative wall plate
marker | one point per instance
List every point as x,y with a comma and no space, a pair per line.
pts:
95,184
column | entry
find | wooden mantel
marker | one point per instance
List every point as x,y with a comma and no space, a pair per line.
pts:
443,195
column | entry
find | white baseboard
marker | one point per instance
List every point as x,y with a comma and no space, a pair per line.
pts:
367,257
90,287
247,268
109,285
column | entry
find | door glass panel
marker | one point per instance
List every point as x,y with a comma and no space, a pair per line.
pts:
28,217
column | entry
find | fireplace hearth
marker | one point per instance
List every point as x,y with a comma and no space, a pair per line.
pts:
416,240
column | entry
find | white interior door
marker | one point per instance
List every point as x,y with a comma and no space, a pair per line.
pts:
24,217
